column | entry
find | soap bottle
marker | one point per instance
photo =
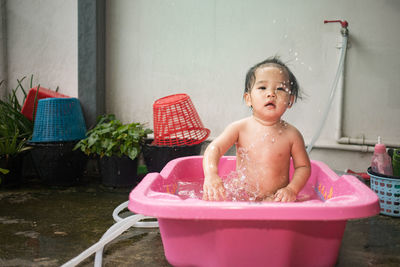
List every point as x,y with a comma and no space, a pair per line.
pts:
396,162
381,162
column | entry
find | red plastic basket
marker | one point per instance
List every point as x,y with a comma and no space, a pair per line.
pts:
176,122
27,108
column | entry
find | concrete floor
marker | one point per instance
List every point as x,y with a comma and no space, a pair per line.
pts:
45,226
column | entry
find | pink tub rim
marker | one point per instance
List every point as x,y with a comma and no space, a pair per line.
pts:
360,201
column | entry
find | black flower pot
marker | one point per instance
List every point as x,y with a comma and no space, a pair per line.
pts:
57,163
156,157
14,164
118,171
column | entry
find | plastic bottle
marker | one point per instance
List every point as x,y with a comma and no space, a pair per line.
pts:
381,161
396,162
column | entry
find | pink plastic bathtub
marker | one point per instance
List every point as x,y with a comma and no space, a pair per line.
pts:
203,233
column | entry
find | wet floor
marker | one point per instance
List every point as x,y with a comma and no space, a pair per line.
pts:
47,226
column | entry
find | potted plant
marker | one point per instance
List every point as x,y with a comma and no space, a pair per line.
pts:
15,130
118,146
156,157
12,156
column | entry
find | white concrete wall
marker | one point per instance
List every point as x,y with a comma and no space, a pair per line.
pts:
42,40
204,48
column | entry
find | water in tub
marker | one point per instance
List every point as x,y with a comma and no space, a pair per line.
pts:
236,187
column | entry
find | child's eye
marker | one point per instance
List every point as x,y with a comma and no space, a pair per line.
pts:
261,87
281,89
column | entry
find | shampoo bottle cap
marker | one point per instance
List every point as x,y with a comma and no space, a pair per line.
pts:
379,147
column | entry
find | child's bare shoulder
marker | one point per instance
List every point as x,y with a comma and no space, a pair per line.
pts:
240,124
290,128
292,131
233,130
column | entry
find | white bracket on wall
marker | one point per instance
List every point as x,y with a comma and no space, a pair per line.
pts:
339,45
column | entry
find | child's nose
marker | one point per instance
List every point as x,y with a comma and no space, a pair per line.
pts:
270,93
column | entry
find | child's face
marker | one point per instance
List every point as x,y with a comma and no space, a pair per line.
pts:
270,95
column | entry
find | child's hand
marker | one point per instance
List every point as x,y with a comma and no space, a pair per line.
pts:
285,195
213,188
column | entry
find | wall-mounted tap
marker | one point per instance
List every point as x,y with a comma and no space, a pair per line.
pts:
344,31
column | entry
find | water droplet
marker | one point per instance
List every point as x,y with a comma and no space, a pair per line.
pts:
309,68
296,54
274,21
296,59
273,140
213,147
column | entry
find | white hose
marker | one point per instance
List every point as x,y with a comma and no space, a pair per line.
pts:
138,224
118,209
331,96
99,254
114,231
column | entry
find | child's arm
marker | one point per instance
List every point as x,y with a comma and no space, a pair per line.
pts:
213,188
302,171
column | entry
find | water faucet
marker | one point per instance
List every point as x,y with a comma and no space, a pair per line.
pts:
344,31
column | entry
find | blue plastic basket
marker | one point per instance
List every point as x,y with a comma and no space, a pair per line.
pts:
58,120
388,191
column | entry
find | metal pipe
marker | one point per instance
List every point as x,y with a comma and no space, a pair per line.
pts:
3,49
364,142
345,147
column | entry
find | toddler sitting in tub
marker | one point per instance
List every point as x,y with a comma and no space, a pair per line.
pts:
264,142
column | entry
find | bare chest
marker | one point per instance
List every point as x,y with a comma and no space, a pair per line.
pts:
264,147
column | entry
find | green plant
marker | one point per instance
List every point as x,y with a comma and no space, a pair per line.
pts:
15,128
110,137
4,171
11,145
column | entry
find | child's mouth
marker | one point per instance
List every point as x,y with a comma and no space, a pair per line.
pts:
270,105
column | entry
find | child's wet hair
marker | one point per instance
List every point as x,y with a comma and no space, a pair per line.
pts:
273,61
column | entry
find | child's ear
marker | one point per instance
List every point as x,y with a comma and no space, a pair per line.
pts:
291,101
247,99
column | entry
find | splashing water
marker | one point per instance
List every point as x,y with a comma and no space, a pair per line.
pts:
237,189
190,190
